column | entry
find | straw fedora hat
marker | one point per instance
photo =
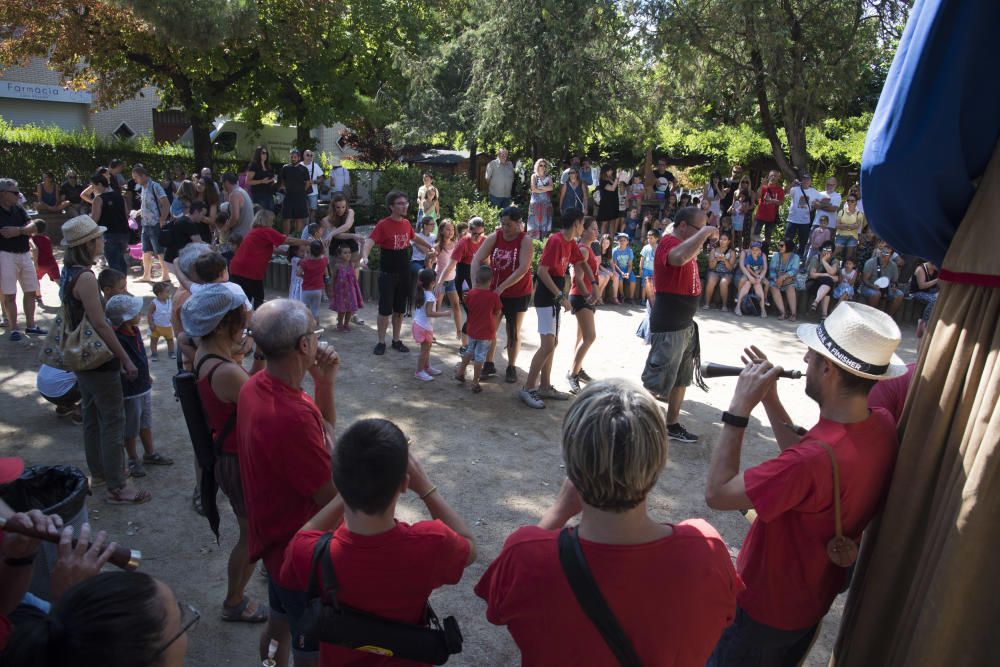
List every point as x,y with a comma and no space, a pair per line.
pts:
860,339
77,231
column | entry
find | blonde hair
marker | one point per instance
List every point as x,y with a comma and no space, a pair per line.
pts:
263,218
614,441
539,162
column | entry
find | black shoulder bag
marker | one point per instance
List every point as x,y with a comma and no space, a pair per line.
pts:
326,620
588,595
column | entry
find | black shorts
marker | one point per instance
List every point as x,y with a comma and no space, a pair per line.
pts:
760,225
578,303
510,306
254,289
393,290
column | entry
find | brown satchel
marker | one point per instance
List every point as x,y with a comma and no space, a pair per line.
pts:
841,550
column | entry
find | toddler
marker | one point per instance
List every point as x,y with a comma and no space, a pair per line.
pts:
124,311
820,235
346,298
45,261
423,324
844,291
159,320
295,255
235,239
112,282
313,270
636,191
622,263
646,256
632,223
483,305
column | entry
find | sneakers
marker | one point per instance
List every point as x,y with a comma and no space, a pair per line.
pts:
489,370
430,370
553,393
530,398
15,336
574,383
398,346
154,357
584,377
379,349
357,320
36,331
511,374
680,434
136,469
423,376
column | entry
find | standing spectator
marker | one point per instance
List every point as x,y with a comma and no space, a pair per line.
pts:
132,192
284,450
802,195
48,196
207,192
850,223
70,192
574,164
315,172
295,183
820,236
261,179
189,228
540,206
678,573
428,200
240,207
154,213
607,207
663,182
182,200
783,270
100,388
785,562
340,179
583,296
16,266
249,265
730,186
500,179
770,194
587,173
560,252
828,203
116,174
673,333
509,252
880,279
713,193
573,193
924,288
393,235
109,209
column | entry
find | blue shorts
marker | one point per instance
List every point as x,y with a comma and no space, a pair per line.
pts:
847,242
477,350
646,273
290,605
872,292
631,277
449,286
151,239
311,201
841,289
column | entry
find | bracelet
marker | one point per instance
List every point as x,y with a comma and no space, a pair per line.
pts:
735,420
20,562
429,492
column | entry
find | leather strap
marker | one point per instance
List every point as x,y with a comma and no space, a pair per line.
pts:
838,528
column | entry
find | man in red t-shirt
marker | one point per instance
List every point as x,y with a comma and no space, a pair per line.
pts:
284,449
770,194
384,567
560,251
673,334
791,580
671,586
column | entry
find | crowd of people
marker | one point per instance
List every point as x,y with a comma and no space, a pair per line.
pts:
301,495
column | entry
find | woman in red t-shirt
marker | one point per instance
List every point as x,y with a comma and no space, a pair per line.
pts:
581,300
250,262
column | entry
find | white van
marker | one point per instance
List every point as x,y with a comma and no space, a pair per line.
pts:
235,139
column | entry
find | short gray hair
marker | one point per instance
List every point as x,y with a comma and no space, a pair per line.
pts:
8,184
188,255
278,325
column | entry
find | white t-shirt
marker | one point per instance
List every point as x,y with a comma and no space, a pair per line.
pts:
315,173
161,313
418,254
800,201
340,179
53,382
832,215
420,314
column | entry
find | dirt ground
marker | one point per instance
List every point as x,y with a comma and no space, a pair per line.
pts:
496,461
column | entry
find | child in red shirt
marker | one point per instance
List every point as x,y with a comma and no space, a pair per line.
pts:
312,270
383,566
483,305
45,261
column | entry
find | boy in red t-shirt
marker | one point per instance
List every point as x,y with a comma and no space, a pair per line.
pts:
312,270
384,567
45,261
483,305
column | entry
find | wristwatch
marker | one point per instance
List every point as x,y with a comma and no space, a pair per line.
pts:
735,420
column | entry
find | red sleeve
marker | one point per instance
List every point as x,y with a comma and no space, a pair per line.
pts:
781,194
575,256
495,585
298,559
378,234
550,255
451,555
273,235
781,484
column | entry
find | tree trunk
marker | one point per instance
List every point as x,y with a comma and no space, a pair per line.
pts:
766,119
474,161
202,138
795,132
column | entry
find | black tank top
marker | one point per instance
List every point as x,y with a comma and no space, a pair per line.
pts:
113,213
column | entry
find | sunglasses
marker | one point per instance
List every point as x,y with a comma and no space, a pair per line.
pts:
189,618
13,192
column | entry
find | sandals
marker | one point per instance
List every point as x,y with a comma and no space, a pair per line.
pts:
477,388
157,459
115,497
238,613
813,306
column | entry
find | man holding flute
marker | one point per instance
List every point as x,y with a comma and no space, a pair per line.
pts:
791,567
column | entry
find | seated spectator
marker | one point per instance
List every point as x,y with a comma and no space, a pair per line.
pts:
882,269
384,567
48,196
753,267
679,574
823,273
783,270
70,191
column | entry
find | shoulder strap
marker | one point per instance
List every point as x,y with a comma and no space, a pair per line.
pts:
207,357
589,597
838,528
322,548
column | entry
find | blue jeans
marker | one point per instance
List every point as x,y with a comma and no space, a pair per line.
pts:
747,643
500,202
928,299
115,247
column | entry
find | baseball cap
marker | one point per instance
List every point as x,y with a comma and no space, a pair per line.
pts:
202,313
122,308
756,244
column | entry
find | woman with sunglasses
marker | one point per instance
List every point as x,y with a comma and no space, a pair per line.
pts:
261,179
116,619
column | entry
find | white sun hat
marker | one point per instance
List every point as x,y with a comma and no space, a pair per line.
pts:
860,339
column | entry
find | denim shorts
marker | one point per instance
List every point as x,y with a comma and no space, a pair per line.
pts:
311,201
151,239
477,350
646,273
847,242
288,604
449,286
871,292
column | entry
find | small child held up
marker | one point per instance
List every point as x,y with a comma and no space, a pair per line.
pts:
844,291
124,311
345,296
423,323
45,261
312,269
483,306
159,320
819,235
636,191
295,255
112,282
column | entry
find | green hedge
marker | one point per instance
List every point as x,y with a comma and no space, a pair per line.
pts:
454,188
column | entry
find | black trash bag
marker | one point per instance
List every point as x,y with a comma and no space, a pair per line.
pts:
58,490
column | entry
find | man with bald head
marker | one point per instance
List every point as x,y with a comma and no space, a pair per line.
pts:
285,441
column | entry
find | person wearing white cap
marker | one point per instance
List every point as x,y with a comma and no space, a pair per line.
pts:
827,482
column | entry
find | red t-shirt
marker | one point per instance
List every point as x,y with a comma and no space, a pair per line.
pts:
392,234
790,580
390,575
254,254
467,248
45,256
284,460
483,306
313,270
593,263
672,597
891,394
504,260
682,280
559,253
768,212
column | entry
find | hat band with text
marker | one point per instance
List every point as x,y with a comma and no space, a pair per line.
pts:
845,357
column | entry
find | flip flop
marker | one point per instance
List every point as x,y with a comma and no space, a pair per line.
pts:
115,497
157,459
477,389
236,614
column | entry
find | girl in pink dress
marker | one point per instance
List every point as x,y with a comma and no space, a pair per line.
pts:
346,296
